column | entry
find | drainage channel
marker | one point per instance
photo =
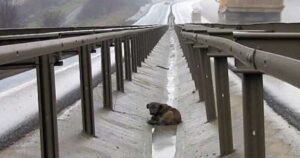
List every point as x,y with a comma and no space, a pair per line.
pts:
164,137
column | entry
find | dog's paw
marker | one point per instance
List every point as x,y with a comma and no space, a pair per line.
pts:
151,122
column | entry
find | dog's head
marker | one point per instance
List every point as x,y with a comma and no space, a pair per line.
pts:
156,108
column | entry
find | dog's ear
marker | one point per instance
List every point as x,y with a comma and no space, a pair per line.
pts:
148,106
163,108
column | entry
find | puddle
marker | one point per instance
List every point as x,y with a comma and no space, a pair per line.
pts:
164,137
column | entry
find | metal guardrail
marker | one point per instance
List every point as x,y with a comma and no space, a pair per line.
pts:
256,51
269,27
20,31
44,55
62,33
30,37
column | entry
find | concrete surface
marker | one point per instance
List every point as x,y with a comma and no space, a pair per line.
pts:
125,133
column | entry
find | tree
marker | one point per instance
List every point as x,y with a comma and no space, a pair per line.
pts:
8,14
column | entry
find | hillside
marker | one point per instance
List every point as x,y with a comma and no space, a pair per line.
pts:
113,12
51,13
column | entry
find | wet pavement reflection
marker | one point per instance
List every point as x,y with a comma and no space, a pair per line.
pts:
164,142
164,137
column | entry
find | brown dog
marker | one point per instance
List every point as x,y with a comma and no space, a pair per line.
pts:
163,114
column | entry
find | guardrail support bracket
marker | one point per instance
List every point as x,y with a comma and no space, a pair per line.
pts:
119,64
127,54
47,107
86,86
223,105
106,73
253,111
208,85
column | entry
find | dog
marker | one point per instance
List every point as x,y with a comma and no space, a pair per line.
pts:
163,114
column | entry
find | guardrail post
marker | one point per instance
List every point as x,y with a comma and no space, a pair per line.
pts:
185,50
138,50
106,73
208,84
193,65
143,47
199,72
128,72
119,64
253,111
86,85
134,53
148,44
223,104
47,107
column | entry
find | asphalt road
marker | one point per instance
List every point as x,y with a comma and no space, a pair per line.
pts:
157,14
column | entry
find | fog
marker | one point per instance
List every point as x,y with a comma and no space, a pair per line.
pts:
291,11
57,13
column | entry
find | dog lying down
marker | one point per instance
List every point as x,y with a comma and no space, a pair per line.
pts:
163,114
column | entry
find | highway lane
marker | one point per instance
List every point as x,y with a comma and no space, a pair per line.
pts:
182,10
157,14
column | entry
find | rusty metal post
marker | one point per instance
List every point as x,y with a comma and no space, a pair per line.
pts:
128,71
47,107
253,111
106,73
223,104
86,85
119,64
134,53
208,84
199,73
